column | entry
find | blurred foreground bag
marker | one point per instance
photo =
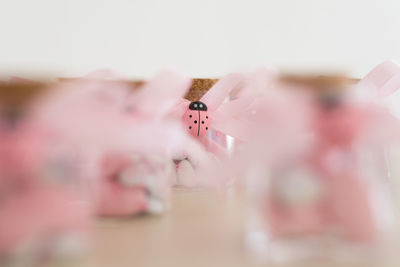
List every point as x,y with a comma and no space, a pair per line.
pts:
45,205
326,189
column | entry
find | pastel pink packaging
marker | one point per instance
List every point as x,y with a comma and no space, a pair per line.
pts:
136,178
44,209
318,175
206,120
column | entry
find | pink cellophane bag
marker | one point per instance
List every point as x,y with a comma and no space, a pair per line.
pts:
45,210
136,167
317,175
211,122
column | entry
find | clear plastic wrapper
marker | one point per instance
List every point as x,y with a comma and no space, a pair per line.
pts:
209,121
318,177
45,212
136,170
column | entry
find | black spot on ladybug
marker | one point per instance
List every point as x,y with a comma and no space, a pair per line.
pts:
190,127
190,116
206,128
195,122
202,122
206,117
198,105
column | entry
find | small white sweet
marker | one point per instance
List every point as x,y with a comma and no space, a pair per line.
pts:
299,187
155,206
157,159
129,177
186,175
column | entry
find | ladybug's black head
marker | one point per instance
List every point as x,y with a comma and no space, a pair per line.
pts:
198,105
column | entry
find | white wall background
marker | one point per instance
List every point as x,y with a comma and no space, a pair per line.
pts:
200,38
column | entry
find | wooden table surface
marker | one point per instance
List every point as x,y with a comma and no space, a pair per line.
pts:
201,229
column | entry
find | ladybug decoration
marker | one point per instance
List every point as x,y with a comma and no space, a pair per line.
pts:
217,117
196,119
